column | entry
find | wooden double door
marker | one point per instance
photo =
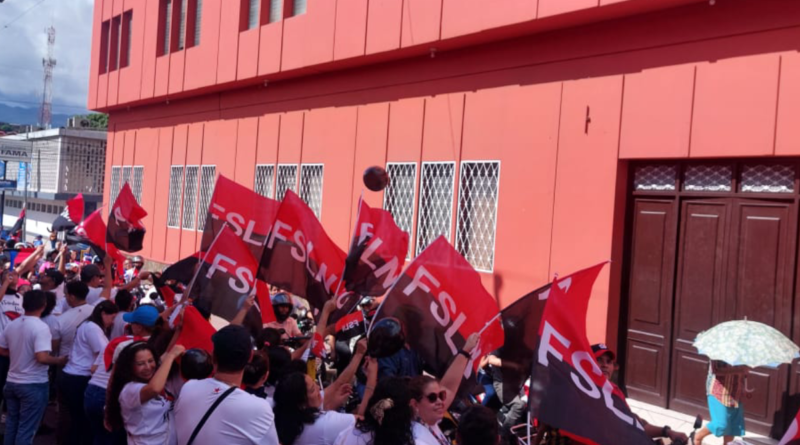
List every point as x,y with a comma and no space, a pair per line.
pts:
695,262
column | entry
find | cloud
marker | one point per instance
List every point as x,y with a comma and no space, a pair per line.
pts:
24,46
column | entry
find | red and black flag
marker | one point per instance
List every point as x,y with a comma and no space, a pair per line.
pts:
299,256
441,295
350,326
377,253
521,326
264,302
196,331
71,216
568,390
183,270
16,229
225,277
248,214
125,227
92,231
792,436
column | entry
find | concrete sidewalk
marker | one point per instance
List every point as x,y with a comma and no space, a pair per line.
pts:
682,422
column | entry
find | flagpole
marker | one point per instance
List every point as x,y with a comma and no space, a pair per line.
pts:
529,428
486,326
350,244
197,272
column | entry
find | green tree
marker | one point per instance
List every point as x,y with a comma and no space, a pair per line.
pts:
98,120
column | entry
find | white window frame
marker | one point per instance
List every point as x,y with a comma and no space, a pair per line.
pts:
496,207
272,182
201,207
192,218
414,186
449,233
175,206
318,211
137,188
296,179
114,186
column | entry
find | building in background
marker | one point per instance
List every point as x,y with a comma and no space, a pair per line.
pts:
64,162
538,136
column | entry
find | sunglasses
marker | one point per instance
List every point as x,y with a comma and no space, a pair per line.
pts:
433,396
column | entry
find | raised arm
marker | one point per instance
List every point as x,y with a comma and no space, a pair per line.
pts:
452,378
156,384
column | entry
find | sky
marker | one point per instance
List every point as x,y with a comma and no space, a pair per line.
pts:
23,44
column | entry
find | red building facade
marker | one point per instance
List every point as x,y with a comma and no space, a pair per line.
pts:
540,136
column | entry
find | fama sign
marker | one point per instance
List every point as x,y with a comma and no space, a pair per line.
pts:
13,150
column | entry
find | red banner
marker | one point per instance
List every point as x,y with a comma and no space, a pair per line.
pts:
264,302
351,325
71,216
196,331
377,253
441,295
792,435
572,393
92,231
299,256
125,228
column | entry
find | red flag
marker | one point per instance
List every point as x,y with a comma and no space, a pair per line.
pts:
571,392
92,231
16,229
377,253
196,331
71,216
317,345
350,325
792,436
125,227
226,276
264,302
247,213
299,256
441,295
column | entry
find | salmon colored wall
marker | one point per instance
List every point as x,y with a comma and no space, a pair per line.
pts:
371,144
787,137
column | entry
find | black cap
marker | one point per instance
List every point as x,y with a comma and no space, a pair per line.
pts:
55,275
232,348
90,271
600,349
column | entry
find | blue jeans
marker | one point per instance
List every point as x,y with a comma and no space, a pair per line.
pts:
94,403
73,388
26,404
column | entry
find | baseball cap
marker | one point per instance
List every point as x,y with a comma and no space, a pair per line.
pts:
143,315
55,275
600,349
232,344
90,271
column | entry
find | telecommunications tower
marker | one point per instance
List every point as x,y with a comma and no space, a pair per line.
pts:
46,112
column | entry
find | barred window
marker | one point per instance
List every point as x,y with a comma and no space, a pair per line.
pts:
115,186
477,212
287,180
190,197
198,21
265,177
311,176
126,176
166,9
300,7
435,202
175,189
398,197
138,178
207,184
275,10
182,24
253,13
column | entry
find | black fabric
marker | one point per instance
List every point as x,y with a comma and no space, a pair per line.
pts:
208,414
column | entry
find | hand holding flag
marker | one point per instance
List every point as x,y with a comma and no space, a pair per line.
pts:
125,228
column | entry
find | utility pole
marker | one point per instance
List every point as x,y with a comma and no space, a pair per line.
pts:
46,112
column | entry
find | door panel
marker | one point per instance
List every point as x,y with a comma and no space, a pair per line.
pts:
700,287
650,299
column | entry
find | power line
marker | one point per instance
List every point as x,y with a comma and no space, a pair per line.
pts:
23,13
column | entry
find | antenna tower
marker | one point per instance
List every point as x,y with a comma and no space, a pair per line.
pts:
46,112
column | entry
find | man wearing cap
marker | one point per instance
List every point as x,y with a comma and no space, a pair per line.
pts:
142,321
240,418
53,281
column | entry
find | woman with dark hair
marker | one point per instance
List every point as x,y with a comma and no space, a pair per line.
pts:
134,398
431,398
91,339
388,418
255,375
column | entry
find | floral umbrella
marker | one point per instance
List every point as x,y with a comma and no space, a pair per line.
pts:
750,343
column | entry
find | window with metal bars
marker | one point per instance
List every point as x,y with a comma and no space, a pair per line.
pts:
275,10
138,182
126,177
311,176
182,24
265,177
175,193
287,180
477,212
190,197
253,7
115,186
299,7
208,175
435,202
166,9
398,197
198,20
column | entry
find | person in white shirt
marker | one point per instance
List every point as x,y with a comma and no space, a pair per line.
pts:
98,282
430,398
240,418
134,394
10,309
125,303
90,341
27,341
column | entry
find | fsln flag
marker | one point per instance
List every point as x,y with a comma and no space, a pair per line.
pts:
226,276
521,327
183,270
264,302
71,216
377,253
125,228
247,213
16,229
350,326
299,256
92,231
568,390
792,436
196,331
441,295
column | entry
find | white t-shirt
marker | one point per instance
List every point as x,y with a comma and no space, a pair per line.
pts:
240,419
10,309
24,337
431,435
61,300
118,330
354,436
93,297
90,341
325,430
100,376
67,325
147,424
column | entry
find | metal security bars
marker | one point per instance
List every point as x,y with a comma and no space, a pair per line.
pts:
300,7
138,182
253,13
115,186
398,197
477,212
126,178
175,192
265,178
190,197
311,176
275,10
287,180
435,202
207,182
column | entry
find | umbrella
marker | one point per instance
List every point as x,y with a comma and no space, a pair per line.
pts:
743,342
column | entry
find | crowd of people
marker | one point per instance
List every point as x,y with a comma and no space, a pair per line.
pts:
85,336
